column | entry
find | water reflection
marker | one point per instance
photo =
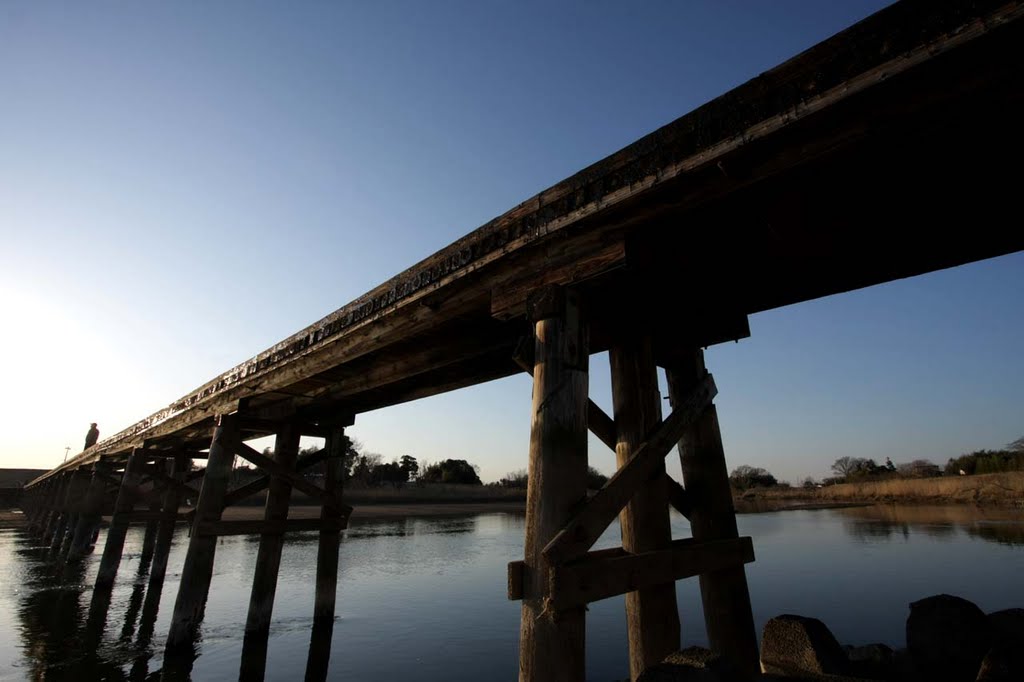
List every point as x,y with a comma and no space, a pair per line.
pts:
885,522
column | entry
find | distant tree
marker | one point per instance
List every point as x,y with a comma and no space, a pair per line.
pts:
1017,445
845,466
514,479
986,462
595,479
919,468
746,477
410,466
808,483
451,471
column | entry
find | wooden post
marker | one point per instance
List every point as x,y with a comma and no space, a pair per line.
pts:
652,617
79,483
330,540
63,514
165,531
552,644
727,613
198,569
118,530
53,501
268,558
92,508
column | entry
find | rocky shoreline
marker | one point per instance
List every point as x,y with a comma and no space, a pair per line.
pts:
949,639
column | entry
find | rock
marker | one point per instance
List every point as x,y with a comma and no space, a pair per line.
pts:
947,637
1003,663
692,663
794,645
1007,626
875,661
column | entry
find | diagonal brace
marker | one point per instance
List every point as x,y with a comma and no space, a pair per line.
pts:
580,534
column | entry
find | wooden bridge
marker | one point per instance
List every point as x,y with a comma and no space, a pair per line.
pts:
890,150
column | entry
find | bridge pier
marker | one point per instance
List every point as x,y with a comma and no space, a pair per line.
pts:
552,641
652,616
198,569
91,513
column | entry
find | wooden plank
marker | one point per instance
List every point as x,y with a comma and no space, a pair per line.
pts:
551,644
728,616
275,527
268,426
652,616
593,518
258,485
589,580
296,481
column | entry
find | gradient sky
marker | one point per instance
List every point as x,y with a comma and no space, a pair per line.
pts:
184,184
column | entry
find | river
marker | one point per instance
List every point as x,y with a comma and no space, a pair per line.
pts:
424,598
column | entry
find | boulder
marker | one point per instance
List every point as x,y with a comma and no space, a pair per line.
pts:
692,663
1007,626
794,645
1002,663
947,637
874,661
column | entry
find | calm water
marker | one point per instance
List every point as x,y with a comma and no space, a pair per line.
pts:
424,598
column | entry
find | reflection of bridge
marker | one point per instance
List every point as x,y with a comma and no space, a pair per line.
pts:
881,153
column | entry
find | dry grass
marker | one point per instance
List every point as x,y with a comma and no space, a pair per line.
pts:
1004,489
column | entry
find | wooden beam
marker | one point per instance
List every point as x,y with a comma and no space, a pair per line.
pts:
599,511
728,616
598,421
250,423
551,644
652,615
592,580
298,482
330,539
678,497
600,575
169,482
251,488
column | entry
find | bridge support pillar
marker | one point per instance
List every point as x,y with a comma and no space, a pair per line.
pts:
198,569
652,616
552,643
76,491
724,593
127,494
91,513
60,514
165,532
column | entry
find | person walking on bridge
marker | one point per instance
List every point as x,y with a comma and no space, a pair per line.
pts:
92,436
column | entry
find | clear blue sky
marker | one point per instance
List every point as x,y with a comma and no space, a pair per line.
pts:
184,184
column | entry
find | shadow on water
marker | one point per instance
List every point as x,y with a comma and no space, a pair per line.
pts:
885,522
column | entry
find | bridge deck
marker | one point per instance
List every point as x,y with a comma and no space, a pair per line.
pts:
875,155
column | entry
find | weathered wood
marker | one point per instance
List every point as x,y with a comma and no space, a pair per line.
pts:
552,643
329,543
76,493
652,617
678,498
262,425
727,612
260,484
165,531
598,421
182,488
55,500
604,574
63,514
593,517
198,569
268,557
127,495
296,481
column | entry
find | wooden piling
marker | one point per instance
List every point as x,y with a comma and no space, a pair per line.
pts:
165,529
330,539
127,493
552,644
268,557
725,596
79,482
198,568
63,514
652,616
91,514
53,501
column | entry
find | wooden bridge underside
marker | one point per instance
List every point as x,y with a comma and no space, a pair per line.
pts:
887,151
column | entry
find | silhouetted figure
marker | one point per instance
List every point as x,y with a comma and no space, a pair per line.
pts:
92,436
